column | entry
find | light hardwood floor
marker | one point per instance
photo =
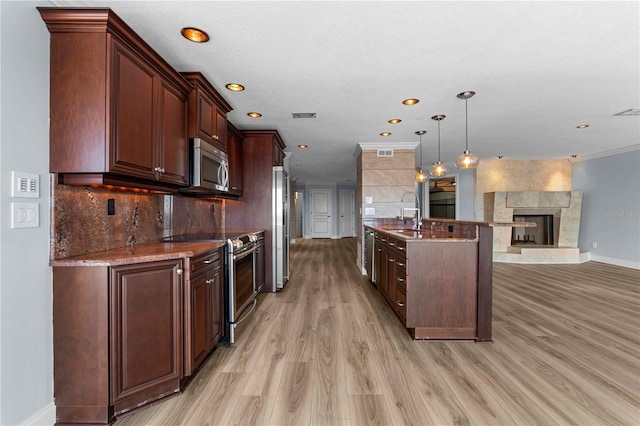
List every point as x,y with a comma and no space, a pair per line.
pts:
327,350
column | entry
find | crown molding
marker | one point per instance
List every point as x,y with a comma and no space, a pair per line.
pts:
607,153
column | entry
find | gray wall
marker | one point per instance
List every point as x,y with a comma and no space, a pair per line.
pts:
610,206
26,350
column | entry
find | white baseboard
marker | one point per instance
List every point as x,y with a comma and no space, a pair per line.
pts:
614,261
44,417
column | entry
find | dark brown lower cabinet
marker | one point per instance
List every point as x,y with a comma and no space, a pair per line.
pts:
117,338
204,309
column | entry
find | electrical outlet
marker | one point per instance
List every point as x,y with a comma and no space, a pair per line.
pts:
25,185
25,215
111,206
594,245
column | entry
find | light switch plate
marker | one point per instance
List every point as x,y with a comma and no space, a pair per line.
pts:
25,185
25,215
369,210
368,199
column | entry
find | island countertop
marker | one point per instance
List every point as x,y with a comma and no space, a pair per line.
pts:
138,254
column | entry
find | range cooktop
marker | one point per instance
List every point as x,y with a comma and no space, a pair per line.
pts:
221,235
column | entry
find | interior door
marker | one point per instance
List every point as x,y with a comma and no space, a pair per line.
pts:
320,213
347,213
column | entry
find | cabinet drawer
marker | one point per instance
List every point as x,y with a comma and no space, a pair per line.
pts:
210,259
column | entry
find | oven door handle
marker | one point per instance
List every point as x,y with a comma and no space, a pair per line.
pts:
246,312
244,254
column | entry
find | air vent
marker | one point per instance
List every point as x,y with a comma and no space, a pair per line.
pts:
385,153
303,114
630,111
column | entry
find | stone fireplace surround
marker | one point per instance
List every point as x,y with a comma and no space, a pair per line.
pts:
500,206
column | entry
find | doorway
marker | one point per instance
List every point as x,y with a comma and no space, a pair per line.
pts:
442,197
299,206
321,223
347,213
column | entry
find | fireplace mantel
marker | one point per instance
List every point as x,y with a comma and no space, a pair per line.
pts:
499,208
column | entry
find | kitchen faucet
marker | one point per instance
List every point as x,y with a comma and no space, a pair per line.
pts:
417,223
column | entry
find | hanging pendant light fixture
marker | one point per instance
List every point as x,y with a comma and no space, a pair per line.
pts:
421,176
438,169
466,160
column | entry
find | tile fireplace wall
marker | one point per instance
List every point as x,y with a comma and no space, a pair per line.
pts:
500,206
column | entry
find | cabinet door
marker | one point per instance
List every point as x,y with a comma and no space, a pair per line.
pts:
234,151
145,331
216,305
133,151
206,117
174,146
198,318
220,136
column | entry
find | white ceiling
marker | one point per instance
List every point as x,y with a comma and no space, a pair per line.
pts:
539,70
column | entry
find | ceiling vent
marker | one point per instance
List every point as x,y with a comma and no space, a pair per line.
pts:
385,153
303,114
630,111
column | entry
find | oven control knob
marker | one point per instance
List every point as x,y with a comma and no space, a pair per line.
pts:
253,238
237,243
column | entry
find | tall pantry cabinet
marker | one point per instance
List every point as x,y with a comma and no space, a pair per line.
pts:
262,150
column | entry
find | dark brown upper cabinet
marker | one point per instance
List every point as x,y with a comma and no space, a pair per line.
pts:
118,110
235,152
207,111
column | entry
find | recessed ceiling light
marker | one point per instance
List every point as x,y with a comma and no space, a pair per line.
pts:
235,87
583,126
395,121
254,114
500,157
195,35
385,134
303,146
410,101
574,155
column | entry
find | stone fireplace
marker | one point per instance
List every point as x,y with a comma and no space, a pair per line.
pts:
553,238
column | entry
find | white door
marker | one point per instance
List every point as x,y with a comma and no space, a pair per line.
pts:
299,213
347,213
320,213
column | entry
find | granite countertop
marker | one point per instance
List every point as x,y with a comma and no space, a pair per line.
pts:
411,235
139,254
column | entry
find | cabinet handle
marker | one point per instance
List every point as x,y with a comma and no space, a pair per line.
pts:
209,281
400,248
179,271
391,260
392,244
158,169
208,261
399,303
400,264
233,187
400,279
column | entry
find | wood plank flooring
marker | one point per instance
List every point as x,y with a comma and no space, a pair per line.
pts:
327,350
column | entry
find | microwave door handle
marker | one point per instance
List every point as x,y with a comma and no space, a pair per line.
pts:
225,175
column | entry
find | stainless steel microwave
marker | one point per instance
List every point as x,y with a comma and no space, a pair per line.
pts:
208,168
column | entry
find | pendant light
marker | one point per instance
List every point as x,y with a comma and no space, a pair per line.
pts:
421,176
466,160
438,169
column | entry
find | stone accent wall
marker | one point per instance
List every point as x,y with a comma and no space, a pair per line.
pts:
80,224
385,180
519,175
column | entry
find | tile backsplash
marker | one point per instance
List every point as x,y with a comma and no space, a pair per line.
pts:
80,223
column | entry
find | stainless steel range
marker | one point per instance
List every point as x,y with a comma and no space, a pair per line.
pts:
240,271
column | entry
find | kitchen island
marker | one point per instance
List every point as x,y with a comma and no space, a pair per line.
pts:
436,277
